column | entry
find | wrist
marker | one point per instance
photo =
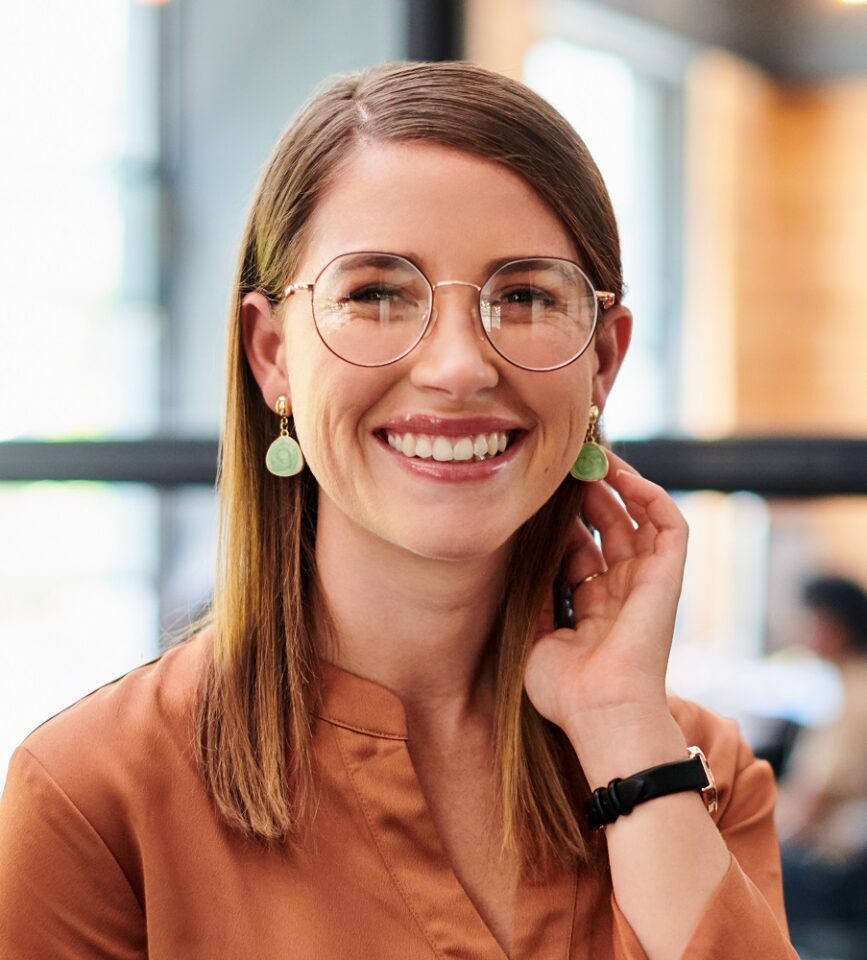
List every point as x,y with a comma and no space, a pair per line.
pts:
622,795
623,742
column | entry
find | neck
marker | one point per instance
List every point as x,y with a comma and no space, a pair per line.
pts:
417,625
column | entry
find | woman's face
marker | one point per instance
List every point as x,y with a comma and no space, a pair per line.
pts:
452,214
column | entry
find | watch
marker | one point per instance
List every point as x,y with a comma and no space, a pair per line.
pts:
621,796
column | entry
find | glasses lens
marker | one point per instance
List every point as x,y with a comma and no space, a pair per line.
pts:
539,313
370,308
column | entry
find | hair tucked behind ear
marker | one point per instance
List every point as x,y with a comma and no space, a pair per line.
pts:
253,727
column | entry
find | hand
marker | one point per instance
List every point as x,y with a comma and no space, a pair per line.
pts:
613,663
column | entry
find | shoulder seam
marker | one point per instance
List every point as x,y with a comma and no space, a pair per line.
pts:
90,693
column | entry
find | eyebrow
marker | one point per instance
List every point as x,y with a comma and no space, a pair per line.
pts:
364,258
377,259
558,268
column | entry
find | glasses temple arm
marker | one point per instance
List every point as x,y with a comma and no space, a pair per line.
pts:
294,288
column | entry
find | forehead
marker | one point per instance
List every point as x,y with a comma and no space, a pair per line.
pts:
451,210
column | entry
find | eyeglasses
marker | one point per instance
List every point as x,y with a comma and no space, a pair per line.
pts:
372,309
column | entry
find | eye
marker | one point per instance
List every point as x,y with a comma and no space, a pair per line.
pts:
373,293
528,296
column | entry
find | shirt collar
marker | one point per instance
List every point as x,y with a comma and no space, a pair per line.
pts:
360,704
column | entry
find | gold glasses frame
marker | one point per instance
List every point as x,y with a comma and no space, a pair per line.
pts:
603,299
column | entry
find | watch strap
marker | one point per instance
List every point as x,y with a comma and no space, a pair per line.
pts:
621,796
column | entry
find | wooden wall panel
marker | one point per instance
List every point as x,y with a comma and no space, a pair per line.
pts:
498,34
777,234
775,321
726,158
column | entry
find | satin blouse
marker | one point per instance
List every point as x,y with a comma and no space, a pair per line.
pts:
110,848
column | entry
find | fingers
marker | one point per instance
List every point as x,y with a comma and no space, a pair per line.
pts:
607,515
645,498
646,520
583,556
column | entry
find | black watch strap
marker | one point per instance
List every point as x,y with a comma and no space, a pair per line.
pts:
621,797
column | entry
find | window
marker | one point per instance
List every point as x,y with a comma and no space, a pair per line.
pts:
135,152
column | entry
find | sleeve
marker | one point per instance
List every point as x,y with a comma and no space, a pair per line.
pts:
745,916
63,895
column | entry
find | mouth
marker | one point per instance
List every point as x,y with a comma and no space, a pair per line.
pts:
470,448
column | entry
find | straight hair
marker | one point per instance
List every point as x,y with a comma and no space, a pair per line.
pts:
260,686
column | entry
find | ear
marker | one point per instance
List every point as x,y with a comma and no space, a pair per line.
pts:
612,341
262,336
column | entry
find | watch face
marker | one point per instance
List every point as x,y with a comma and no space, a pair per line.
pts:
709,794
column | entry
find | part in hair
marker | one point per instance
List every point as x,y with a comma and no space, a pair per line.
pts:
253,726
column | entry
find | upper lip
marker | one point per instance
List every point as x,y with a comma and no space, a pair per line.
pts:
448,426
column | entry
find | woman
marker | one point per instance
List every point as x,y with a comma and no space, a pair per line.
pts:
395,731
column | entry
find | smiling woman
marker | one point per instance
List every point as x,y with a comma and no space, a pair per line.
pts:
442,383
386,739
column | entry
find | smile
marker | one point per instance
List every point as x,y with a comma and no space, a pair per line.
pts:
424,446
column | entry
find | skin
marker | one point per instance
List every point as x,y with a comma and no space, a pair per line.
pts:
426,558
826,637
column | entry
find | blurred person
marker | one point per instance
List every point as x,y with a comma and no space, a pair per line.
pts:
822,813
423,681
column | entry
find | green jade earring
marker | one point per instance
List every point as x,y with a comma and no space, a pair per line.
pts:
284,457
592,464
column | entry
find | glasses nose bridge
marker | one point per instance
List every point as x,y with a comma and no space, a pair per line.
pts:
456,283
453,283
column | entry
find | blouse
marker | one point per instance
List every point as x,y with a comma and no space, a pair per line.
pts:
110,847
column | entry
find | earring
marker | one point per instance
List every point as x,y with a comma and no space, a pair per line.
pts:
284,457
592,464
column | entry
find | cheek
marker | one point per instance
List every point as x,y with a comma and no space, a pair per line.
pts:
563,405
331,401
322,421
312,380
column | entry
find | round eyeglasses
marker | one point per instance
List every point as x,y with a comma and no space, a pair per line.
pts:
372,309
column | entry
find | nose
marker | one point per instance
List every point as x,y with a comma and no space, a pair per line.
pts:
455,356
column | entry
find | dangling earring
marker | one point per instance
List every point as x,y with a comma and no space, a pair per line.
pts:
592,464
284,457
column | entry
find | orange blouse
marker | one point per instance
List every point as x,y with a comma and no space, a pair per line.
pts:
110,849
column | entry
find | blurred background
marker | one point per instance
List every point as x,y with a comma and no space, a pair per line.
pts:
733,139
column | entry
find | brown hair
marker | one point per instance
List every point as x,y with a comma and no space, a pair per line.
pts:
253,716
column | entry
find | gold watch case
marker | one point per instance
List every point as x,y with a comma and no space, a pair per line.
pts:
708,793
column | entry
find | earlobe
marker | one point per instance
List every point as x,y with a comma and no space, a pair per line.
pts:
262,338
612,342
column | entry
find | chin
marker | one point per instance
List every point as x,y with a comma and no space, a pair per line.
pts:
452,542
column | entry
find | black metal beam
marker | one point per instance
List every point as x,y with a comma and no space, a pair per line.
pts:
436,29
160,462
772,466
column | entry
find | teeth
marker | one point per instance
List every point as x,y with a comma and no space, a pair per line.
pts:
445,449
464,449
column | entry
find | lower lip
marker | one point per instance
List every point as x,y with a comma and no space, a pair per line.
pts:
456,471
